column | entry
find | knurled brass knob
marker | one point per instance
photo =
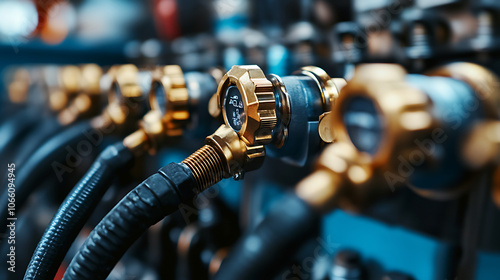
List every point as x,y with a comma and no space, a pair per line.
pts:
248,103
125,83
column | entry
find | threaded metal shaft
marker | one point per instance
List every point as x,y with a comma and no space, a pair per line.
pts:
207,167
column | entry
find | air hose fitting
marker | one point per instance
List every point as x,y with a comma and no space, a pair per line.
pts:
161,194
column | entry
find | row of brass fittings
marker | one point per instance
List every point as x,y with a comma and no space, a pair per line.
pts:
349,178
345,174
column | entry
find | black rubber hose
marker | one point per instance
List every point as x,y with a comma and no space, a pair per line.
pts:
15,127
158,196
40,164
39,135
75,210
273,240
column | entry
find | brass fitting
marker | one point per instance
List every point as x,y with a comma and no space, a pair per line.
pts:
405,116
125,83
343,178
168,81
224,155
124,98
257,99
348,177
169,113
86,103
330,88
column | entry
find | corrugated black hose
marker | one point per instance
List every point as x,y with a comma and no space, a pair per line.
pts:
258,253
40,164
75,210
158,196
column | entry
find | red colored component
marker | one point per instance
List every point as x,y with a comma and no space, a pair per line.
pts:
43,7
166,14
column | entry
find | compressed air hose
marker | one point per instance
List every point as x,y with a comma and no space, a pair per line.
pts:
158,196
75,210
15,127
39,164
255,254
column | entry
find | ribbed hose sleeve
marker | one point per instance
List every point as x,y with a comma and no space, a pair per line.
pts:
277,237
40,164
75,210
158,196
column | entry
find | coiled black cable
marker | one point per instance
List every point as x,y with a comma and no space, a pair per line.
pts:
75,210
257,253
158,196
39,164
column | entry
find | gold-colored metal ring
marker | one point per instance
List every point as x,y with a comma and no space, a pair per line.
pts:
330,88
258,102
285,110
125,83
405,110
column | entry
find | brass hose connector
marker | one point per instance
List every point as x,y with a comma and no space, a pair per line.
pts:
406,116
330,89
344,178
169,96
169,114
126,99
224,155
256,97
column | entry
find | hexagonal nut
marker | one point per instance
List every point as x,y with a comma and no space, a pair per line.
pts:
258,102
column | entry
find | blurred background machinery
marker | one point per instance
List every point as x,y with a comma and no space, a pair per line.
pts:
359,138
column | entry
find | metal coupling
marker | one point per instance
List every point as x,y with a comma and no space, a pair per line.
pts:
250,107
343,178
224,155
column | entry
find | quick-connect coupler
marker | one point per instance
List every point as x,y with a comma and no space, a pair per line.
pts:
279,112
